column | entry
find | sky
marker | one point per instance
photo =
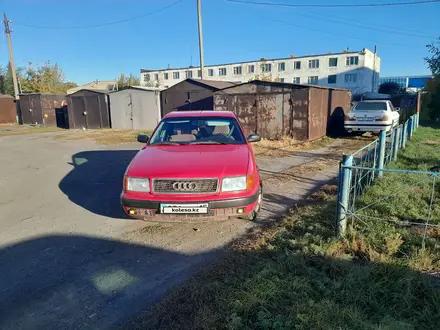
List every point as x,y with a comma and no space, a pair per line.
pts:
232,32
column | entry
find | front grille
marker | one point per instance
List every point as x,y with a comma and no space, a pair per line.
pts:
185,186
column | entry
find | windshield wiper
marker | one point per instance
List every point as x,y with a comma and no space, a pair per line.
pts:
208,142
165,143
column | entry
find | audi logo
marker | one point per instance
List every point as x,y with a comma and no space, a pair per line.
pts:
184,186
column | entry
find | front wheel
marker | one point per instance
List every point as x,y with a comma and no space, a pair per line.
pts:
252,216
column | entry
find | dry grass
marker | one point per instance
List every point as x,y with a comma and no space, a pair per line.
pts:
104,136
433,142
13,129
325,193
286,145
328,159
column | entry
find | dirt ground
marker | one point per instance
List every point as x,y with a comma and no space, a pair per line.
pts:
69,259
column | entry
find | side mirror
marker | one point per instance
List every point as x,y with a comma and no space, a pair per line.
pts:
143,138
397,109
254,138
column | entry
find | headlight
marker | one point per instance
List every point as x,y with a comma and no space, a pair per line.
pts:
234,184
138,184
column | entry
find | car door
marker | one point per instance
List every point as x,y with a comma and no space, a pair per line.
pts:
394,114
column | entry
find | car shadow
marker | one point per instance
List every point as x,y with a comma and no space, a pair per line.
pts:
80,282
95,181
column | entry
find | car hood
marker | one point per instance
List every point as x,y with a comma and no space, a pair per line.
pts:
190,161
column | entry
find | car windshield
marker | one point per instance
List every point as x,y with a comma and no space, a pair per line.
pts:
367,106
198,130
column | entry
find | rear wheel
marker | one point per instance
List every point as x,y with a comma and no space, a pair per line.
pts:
253,215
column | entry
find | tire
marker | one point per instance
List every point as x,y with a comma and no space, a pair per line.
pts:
254,214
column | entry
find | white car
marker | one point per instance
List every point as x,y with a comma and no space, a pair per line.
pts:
372,116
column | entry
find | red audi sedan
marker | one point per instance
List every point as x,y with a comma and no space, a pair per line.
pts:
196,164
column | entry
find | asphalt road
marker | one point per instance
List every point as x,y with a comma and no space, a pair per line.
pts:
69,259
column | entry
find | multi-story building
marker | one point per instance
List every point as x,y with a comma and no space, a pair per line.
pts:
409,83
357,71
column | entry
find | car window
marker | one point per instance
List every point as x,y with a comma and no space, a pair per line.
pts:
198,130
368,106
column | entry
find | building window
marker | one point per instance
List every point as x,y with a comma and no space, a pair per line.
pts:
312,80
165,76
331,79
282,66
222,71
267,67
176,75
199,73
156,76
350,78
313,64
237,70
211,72
188,74
332,62
251,68
147,77
297,65
352,60
281,79
296,80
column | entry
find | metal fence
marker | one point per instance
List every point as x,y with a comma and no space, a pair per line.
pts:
362,168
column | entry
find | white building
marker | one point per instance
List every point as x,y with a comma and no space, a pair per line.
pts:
357,71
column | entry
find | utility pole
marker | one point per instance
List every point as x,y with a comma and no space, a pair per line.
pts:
374,69
11,56
199,14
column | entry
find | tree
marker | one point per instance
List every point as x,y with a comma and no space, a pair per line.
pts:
6,83
434,60
45,78
127,81
391,88
431,97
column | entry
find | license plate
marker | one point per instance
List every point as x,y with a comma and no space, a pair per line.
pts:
364,119
184,208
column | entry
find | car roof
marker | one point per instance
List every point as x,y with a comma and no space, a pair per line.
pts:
204,113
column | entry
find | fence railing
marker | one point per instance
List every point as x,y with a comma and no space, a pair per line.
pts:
362,168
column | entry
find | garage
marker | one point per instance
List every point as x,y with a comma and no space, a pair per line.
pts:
40,108
88,109
274,110
135,108
191,94
8,109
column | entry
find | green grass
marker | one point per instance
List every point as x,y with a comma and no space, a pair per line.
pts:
296,275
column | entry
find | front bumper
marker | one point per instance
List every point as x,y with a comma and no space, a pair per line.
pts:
147,209
367,127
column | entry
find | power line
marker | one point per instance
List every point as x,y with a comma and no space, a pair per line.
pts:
369,27
407,3
100,25
368,24
331,33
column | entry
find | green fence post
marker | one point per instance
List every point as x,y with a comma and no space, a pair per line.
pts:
410,127
404,134
382,143
345,183
396,142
